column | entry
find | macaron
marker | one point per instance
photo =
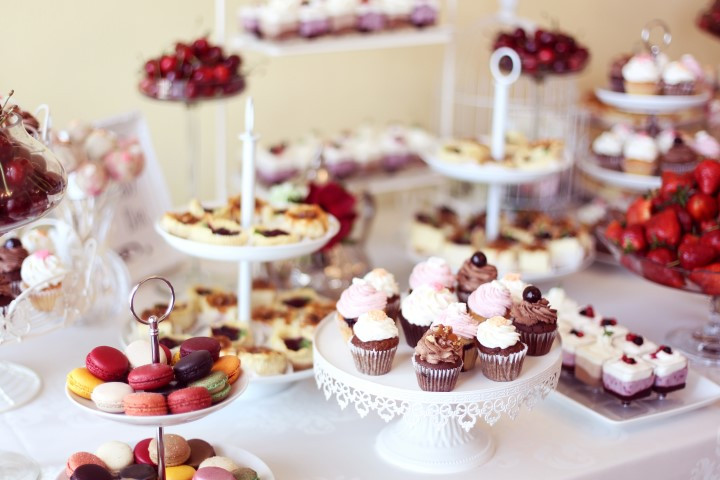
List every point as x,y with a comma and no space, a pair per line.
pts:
91,472
168,389
200,450
78,459
116,455
245,473
139,353
151,376
193,366
145,404
194,344
189,399
108,397
177,450
138,472
214,382
107,363
213,473
141,452
219,461
222,394
180,472
82,383
230,366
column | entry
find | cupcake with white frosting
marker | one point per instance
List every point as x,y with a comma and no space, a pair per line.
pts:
677,79
374,343
641,75
421,308
608,150
501,351
641,155
44,273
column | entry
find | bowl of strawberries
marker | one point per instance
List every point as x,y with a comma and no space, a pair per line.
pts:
671,236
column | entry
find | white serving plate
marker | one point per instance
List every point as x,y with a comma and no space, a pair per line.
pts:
489,173
240,456
698,392
264,386
650,103
249,252
615,178
161,420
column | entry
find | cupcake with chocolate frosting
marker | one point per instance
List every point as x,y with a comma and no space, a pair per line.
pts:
421,308
679,158
384,281
438,359
490,300
374,343
360,297
465,327
433,271
474,272
535,320
501,351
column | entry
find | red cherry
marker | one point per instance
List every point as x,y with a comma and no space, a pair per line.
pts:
152,68
16,171
221,73
18,206
203,75
529,63
546,56
183,52
167,64
38,163
531,46
233,62
192,90
6,147
186,70
212,56
628,360
200,46
148,86
53,183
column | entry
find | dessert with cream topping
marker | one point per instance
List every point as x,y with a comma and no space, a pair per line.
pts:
572,338
374,343
490,300
589,360
384,281
474,272
628,378
421,308
433,271
465,327
640,155
535,320
438,359
501,351
360,297
670,368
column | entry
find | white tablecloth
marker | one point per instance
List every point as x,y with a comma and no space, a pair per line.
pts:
302,436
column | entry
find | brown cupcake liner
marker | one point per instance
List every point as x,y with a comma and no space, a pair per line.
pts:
682,88
470,354
502,368
538,344
413,333
372,362
436,379
678,167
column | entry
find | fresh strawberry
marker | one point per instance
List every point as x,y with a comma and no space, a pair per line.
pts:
707,278
692,256
689,239
672,182
702,206
686,221
708,226
638,212
663,229
632,239
654,267
712,239
707,175
613,232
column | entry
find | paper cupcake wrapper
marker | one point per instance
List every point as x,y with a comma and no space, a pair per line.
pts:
44,300
682,88
436,379
538,343
413,333
502,368
470,355
372,362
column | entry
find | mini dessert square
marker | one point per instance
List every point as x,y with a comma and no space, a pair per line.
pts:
628,378
634,345
571,340
589,361
670,368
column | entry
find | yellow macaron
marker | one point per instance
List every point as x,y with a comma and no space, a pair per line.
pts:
175,358
81,382
230,366
180,472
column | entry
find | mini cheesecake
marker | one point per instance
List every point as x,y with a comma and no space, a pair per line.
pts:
670,368
263,361
268,236
219,232
218,307
566,253
634,345
571,340
589,361
179,224
534,259
309,221
628,378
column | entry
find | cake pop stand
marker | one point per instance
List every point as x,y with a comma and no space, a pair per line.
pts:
161,421
437,432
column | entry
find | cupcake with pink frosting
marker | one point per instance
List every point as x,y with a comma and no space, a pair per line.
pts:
465,327
490,300
360,297
433,271
384,281
421,308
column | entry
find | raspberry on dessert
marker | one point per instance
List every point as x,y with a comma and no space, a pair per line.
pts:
588,311
577,333
605,322
629,360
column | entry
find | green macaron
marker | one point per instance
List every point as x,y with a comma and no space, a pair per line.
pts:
214,382
221,395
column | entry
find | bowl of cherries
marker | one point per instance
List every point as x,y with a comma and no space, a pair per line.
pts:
543,52
194,71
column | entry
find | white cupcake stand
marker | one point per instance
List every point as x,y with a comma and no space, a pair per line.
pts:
437,432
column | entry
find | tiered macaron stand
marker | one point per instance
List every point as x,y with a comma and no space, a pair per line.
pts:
497,177
245,256
162,421
437,432
650,105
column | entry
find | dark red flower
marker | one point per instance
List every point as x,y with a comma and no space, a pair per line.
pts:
336,201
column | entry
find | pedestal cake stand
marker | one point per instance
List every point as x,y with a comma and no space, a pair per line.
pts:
437,432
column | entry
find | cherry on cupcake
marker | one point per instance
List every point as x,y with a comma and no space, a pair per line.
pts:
478,259
532,294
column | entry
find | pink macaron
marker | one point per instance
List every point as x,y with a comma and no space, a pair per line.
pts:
82,458
189,399
107,363
213,473
145,404
150,376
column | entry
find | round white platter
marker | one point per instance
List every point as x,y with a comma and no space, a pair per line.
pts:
650,103
615,178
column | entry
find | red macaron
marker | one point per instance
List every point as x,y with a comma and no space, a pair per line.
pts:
141,452
150,376
107,363
189,399
194,344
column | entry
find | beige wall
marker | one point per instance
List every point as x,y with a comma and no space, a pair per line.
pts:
83,57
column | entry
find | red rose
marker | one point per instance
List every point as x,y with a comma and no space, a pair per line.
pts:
339,203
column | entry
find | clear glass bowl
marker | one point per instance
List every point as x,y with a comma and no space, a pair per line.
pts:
185,91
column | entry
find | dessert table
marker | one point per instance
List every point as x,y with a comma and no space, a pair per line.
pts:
302,436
